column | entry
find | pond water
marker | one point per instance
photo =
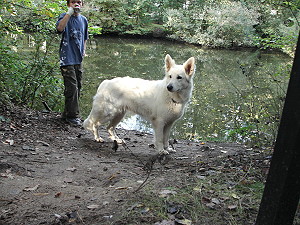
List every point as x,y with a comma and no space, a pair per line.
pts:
238,95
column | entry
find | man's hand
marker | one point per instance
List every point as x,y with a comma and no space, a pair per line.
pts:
70,11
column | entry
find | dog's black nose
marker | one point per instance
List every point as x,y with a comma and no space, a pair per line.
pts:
170,87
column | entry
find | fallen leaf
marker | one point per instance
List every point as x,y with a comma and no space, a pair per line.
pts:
215,201
232,207
183,157
108,217
197,189
134,206
68,180
31,189
201,177
122,188
72,169
105,203
173,209
235,196
183,222
43,143
57,216
165,193
93,206
10,142
145,210
7,175
40,194
165,222
210,205
28,148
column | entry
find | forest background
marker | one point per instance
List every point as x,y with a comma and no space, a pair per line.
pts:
30,78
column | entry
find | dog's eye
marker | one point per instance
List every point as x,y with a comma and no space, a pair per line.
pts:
179,77
170,76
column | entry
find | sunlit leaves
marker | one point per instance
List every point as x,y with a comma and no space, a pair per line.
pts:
95,30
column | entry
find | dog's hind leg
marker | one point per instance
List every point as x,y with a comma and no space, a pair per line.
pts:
112,126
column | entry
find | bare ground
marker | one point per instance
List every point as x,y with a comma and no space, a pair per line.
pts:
53,173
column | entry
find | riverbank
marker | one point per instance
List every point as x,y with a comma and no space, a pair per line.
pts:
52,173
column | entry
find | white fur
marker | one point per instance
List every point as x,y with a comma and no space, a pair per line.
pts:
161,102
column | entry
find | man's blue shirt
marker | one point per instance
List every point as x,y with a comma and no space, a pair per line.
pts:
73,37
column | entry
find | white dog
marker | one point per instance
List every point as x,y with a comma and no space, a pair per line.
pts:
161,102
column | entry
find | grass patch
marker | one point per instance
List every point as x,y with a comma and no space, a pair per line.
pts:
211,200
218,195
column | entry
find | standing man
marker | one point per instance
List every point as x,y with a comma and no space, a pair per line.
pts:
74,29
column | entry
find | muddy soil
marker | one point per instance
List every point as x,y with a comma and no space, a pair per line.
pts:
53,173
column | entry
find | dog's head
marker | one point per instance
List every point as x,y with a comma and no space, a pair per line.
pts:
179,77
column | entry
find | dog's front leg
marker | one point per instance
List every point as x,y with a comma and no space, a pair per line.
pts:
166,136
92,126
159,137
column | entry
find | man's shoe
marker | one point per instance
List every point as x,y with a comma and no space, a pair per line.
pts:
74,121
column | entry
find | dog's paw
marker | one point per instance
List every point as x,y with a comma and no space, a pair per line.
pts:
99,139
163,152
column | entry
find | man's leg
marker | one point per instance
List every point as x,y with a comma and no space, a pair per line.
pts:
79,72
71,92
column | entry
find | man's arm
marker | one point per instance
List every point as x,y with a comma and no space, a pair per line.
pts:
84,48
64,21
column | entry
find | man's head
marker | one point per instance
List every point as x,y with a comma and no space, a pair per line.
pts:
75,3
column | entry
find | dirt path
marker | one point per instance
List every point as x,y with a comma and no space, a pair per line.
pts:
52,173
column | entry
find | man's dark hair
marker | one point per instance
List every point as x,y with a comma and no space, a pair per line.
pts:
68,2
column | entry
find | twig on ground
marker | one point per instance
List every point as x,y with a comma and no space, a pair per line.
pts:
148,167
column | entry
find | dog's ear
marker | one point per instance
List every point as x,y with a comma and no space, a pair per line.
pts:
189,66
169,62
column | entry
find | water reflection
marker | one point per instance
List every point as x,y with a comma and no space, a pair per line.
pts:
237,94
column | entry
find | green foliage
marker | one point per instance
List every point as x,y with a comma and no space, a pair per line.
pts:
261,110
29,75
226,24
134,17
278,27
95,30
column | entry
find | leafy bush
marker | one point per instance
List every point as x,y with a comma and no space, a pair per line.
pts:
29,77
225,24
278,28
